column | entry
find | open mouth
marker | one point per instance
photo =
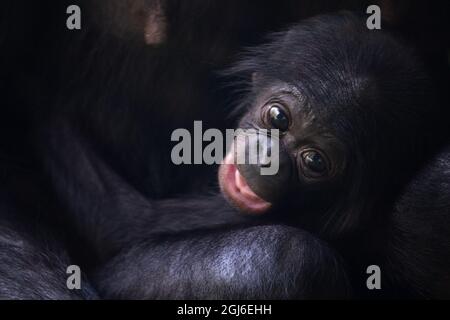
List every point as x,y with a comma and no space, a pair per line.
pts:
236,189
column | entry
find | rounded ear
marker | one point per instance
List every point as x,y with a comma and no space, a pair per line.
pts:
155,25
142,20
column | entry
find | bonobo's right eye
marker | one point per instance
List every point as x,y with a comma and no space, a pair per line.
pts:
277,117
314,164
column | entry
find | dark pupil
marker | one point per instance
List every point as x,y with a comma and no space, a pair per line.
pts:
314,161
278,119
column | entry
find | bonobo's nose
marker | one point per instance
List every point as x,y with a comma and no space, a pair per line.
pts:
267,166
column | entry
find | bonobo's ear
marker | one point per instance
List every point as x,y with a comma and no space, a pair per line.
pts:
155,25
141,20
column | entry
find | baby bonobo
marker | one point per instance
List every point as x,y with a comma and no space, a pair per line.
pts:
354,112
353,108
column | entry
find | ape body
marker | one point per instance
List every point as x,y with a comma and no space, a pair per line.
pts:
377,200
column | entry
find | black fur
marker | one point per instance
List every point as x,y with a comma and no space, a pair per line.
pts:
103,194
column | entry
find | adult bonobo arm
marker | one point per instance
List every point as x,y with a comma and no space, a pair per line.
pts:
33,257
106,211
260,262
34,266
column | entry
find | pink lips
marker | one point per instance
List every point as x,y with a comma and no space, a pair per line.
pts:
235,187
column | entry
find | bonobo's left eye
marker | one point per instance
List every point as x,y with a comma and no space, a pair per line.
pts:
314,164
277,117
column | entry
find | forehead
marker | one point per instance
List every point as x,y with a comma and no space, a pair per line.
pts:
266,88
314,108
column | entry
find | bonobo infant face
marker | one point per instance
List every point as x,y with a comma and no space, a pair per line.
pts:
349,104
310,157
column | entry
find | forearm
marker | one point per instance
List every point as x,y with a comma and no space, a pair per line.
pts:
264,262
106,211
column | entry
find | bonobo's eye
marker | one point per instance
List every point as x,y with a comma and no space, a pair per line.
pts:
314,164
277,117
